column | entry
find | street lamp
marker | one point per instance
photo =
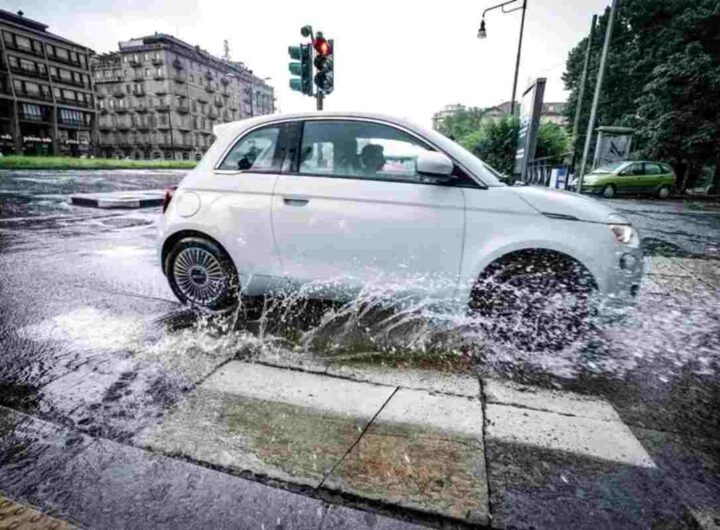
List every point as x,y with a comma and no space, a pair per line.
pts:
482,33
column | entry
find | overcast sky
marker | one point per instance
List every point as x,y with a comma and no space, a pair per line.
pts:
406,58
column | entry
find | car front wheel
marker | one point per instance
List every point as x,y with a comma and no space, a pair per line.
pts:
200,273
536,301
608,191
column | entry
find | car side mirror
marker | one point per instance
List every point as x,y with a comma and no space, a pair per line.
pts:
434,164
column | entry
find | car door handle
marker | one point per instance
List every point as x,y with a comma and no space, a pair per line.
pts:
294,201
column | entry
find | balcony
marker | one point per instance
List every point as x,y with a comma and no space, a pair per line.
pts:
184,126
29,72
45,96
143,126
179,78
29,51
159,76
123,126
138,76
121,110
219,103
163,126
232,104
161,90
183,108
177,63
212,114
74,102
140,107
105,127
100,95
210,88
118,92
157,61
208,75
132,61
138,91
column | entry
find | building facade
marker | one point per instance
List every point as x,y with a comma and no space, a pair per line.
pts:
551,112
159,98
46,93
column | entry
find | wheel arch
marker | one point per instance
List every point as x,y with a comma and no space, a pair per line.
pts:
524,252
175,237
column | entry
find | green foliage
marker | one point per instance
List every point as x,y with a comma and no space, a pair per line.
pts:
661,78
61,162
494,141
463,122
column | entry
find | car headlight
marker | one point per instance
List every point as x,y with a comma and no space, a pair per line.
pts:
623,233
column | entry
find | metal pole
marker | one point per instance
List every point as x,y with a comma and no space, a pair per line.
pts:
517,62
319,100
583,81
596,98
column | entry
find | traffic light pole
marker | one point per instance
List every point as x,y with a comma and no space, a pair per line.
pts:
319,96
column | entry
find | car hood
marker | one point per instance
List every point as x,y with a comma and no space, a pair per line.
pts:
565,204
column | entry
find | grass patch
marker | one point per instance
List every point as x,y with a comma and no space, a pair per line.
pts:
64,162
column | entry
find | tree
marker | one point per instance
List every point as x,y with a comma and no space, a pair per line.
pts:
650,59
495,142
462,122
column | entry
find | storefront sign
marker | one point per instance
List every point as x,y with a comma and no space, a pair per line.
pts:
530,110
37,139
7,137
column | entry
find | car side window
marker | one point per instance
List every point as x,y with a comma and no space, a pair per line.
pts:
256,151
653,169
632,170
362,150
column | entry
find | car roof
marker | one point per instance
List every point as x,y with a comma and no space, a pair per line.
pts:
238,126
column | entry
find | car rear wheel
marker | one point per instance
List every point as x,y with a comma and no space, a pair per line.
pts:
534,300
201,274
664,192
608,191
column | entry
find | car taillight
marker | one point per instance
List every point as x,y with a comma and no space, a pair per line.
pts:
168,197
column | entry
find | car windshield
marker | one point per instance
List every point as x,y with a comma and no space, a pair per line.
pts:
609,168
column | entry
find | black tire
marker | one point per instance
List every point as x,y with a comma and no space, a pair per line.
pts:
221,279
664,192
535,301
608,191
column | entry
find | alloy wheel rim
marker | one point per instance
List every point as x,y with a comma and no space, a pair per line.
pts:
199,275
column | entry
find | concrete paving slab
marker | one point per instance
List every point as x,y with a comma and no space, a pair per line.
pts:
707,270
341,518
593,438
120,199
430,380
531,397
15,516
682,286
533,487
664,265
423,452
278,440
329,394
648,286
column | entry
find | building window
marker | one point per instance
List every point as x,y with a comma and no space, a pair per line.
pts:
147,72
61,53
32,112
159,72
23,43
147,57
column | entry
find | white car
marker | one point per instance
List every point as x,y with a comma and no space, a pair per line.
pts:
342,200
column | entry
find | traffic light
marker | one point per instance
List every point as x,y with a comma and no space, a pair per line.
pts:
324,59
301,66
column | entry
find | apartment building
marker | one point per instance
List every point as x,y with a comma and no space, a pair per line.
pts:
159,97
46,92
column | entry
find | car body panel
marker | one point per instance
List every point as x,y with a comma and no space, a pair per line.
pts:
631,177
283,229
367,231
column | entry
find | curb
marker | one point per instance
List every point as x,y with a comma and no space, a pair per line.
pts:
119,200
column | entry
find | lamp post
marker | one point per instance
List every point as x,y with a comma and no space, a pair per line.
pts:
482,33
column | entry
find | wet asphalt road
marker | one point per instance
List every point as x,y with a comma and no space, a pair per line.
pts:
88,325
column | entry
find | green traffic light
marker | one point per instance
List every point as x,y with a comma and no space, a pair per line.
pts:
295,69
296,84
295,52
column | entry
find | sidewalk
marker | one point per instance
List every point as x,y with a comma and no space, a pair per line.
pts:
489,454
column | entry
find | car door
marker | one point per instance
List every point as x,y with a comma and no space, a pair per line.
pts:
240,200
652,177
630,178
352,211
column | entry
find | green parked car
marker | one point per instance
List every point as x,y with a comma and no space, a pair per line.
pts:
631,177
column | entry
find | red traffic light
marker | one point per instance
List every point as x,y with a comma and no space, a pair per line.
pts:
322,46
